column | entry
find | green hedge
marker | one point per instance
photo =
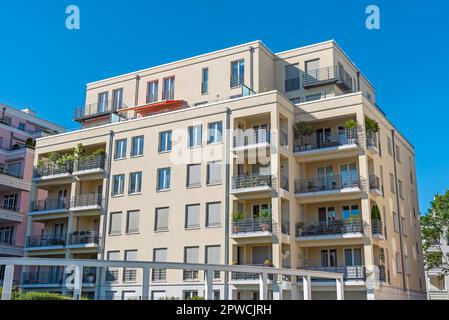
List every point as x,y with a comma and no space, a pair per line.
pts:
37,295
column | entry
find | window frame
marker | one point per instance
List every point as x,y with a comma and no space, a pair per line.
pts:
123,150
138,141
167,143
167,171
218,134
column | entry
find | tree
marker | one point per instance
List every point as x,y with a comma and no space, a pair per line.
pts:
434,228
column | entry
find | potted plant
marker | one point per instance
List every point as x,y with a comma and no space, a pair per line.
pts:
267,263
265,217
303,130
236,217
375,217
351,129
15,146
30,143
371,128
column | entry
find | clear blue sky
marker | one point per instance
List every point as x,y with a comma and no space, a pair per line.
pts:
46,67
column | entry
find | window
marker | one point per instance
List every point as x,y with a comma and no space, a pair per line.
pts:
213,257
205,81
10,201
313,97
192,216
129,275
157,295
329,258
135,182
102,103
395,222
161,219
213,214
311,69
137,146
118,186
15,169
214,132
353,257
398,263
195,136
153,88
389,146
237,73
401,194
392,184
214,172
165,141
191,255
350,211
398,154
22,126
187,295
403,225
169,89
193,175
132,224
7,235
120,149
115,223
406,265
159,255
117,99
291,77
163,179
112,273
411,172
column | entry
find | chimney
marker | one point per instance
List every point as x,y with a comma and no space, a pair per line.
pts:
29,111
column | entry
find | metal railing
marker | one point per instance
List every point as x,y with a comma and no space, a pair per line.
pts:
284,183
84,237
49,204
285,227
252,181
55,277
376,227
84,200
326,75
253,225
97,109
327,183
245,276
284,139
237,80
159,275
374,182
49,169
7,241
320,141
251,137
353,225
9,206
45,241
350,273
382,275
190,275
90,162
14,174
151,98
372,140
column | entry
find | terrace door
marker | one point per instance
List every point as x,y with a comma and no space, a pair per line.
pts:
326,215
348,173
329,258
62,198
260,254
323,136
103,102
326,178
261,133
58,233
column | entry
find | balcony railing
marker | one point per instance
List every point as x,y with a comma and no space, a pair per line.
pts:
253,181
86,200
382,275
320,141
284,139
285,183
84,238
327,183
90,163
236,81
376,227
14,174
372,140
353,225
45,241
252,225
374,182
97,109
252,137
9,206
350,273
245,276
7,241
327,75
285,227
55,278
50,169
190,275
49,204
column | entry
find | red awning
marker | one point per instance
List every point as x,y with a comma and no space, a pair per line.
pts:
157,107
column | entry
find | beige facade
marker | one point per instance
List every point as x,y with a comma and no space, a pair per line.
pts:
299,203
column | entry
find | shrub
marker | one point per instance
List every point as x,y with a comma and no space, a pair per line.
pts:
37,295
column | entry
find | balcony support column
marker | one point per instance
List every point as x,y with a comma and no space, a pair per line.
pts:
146,283
277,287
8,282
340,289
307,287
208,284
78,282
263,286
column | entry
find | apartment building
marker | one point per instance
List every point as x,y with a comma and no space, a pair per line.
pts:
18,132
437,282
239,156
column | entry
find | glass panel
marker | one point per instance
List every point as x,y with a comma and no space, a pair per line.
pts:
348,257
357,257
324,258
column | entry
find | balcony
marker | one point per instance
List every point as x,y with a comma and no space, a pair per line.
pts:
248,276
347,229
96,110
252,139
14,180
285,227
10,213
328,188
84,239
45,241
333,146
284,183
377,228
8,247
350,273
374,185
89,165
55,278
372,142
252,184
329,75
52,173
253,228
49,206
93,201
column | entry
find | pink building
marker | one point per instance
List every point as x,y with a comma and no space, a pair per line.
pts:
18,131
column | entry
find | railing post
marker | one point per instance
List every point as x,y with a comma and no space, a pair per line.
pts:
340,289
307,287
8,282
146,283
208,284
78,282
263,286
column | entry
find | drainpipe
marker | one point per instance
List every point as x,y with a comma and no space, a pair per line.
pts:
105,209
226,205
358,80
251,68
404,282
136,99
